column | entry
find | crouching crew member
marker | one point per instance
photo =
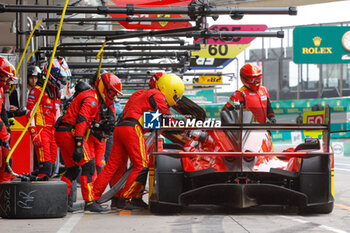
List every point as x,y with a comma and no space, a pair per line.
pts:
70,133
102,127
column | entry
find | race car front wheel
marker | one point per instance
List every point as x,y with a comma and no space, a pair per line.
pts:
168,185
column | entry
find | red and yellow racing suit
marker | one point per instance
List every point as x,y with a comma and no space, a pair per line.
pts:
75,123
128,142
98,148
4,176
257,102
42,127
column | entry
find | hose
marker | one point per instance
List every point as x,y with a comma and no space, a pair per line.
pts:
99,55
24,52
31,54
42,92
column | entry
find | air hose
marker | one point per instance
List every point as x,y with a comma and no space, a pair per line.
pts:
24,52
99,55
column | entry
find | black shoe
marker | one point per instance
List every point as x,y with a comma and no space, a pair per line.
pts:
94,207
130,205
139,203
76,207
117,203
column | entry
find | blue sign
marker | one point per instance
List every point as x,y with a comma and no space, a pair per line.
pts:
209,63
151,120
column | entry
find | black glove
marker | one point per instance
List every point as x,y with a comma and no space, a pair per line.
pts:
17,112
272,119
78,151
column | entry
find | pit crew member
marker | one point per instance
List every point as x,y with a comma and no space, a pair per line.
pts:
70,133
42,128
128,140
253,95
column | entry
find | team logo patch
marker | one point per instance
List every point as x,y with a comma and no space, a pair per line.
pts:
151,120
48,101
93,104
261,92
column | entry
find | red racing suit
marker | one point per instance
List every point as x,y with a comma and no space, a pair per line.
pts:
128,142
42,126
76,122
257,102
4,135
96,147
97,150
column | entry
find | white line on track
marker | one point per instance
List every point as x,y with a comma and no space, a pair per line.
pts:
342,169
319,225
343,164
70,224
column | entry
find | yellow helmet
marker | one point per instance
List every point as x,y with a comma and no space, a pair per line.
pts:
172,88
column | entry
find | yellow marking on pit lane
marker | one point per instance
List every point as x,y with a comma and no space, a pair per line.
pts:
125,213
342,206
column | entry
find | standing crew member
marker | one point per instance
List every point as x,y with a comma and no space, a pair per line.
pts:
33,76
252,95
128,140
73,128
7,73
42,128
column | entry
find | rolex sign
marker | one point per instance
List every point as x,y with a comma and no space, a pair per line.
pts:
320,45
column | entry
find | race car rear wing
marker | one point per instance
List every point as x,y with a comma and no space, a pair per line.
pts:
244,126
244,154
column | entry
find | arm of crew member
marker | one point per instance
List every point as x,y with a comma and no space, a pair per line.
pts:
88,111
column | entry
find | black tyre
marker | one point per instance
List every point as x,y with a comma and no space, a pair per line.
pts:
164,208
169,175
33,199
315,183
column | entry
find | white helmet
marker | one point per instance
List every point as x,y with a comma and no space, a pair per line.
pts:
34,71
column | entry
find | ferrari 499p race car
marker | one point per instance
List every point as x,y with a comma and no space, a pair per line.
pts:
235,166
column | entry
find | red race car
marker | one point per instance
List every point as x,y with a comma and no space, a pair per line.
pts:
235,166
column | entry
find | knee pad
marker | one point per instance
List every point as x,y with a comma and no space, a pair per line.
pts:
72,172
45,168
88,169
142,176
98,169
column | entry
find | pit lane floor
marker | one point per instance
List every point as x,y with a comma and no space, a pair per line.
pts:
202,219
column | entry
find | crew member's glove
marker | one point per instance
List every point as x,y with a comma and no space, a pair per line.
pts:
16,112
78,151
35,137
272,119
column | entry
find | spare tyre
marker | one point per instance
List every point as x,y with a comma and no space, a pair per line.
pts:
40,199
